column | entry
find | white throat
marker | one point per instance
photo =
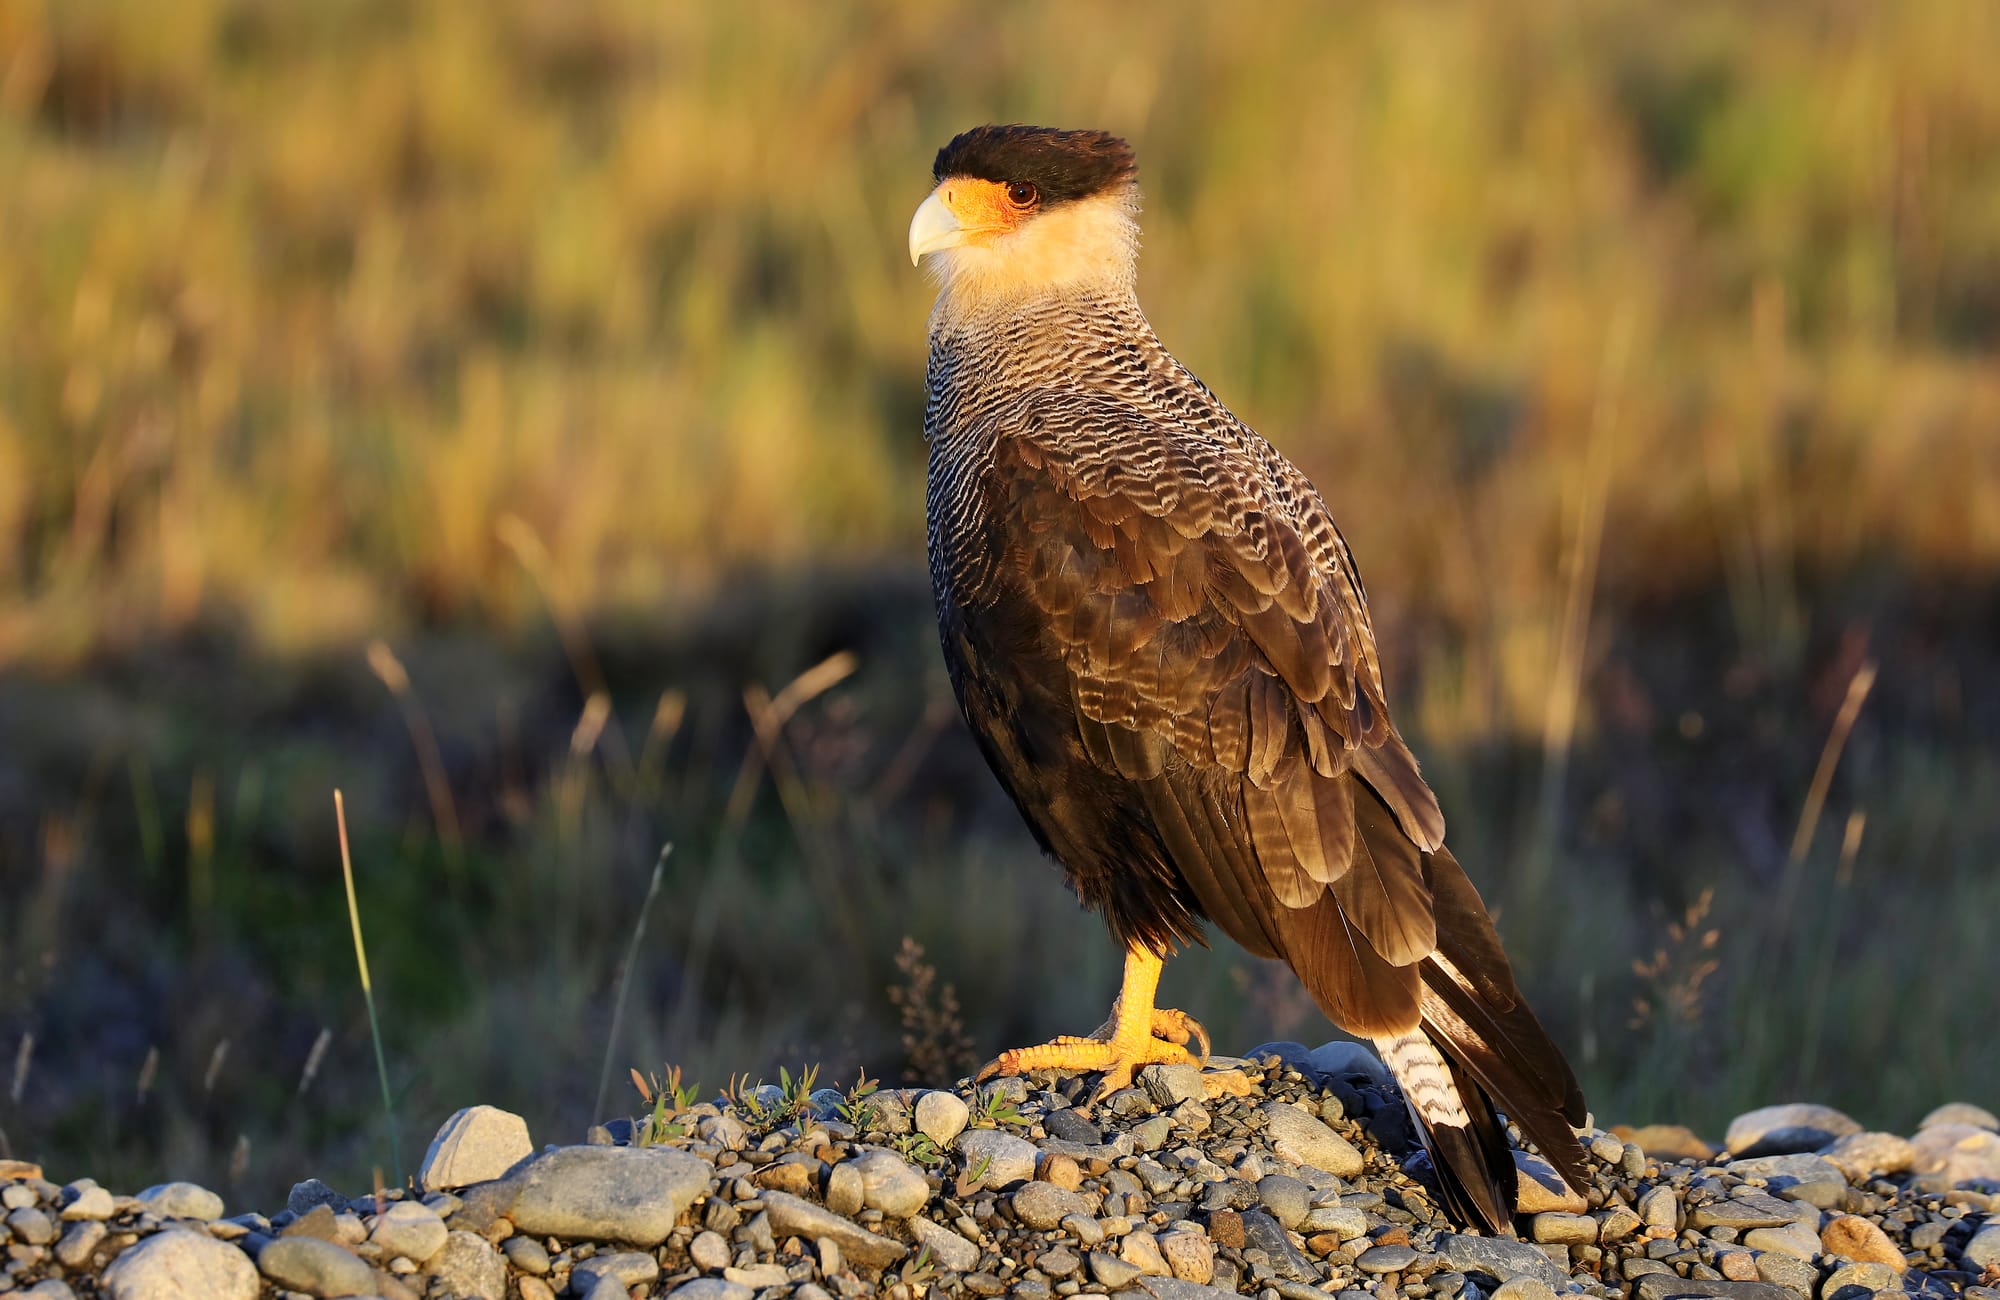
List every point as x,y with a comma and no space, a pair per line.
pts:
1086,246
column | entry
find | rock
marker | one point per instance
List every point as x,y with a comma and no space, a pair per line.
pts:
1782,1130
1667,1141
1860,1156
19,1170
1170,1085
32,1226
476,1145
1111,1272
1660,1208
1189,1255
626,1268
1385,1259
1737,1265
792,1217
709,1251
1302,1139
1788,1271
1813,1179
1556,1228
1059,1262
1960,1112
1958,1153
467,1265
182,1266
1004,1158
77,1244
1341,1059
1753,1210
894,1111
712,1288
1525,1288
1084,1228
1858,1281
1794,1239
1663,1286
1615,1223
1983,1250
1539,1189
49,1288
889,1184
1262,1232
318,1268
527,1255
1069,1126
182,1201
1042,1206
628,1194
950,1250
1500,1258
410,1229
1855,1238
1142,1251
91,1202
1285,1197
312,1193
1060,1169
320,1223
845,1189
1173,1288
941,1117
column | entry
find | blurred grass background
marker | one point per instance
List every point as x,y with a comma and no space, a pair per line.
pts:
1646,352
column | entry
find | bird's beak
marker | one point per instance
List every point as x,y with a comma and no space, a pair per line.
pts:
934,226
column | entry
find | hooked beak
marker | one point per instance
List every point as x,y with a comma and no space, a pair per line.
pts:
933,227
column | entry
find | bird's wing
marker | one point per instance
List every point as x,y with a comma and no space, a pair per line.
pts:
1219,653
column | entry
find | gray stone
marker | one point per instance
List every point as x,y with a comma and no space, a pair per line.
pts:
1794,1239
1853,1281
1659,1208
628,1194
1813,1179
475,1145
628,1268
950,1250
1539,1189
1152,1134
1860,1156
1346,1220
182,1266
91,1202
1042,1206
792,1217
1957,1153
1004,1158
1615,1223
1794,1274
941,1117
1189,1255
83,1237
1524,1288
1499,1258
527,1255
1285,1197
1059,1262
1072,1127
321,1223
1559,1229
893,1111
410,1229
709,1251
845,1189
306,1196
49,1288
1262,1232
318,1268
1753,1210
1173,1288
888,1183
1780,1130
1960,1112
182,1201
1341,1059
1111,1272
1665,1286
712,1288
32,1225
469,1267
1385,1259
1983,1250
1302,1139
1169,1085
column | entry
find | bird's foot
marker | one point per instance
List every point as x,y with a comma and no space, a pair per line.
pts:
1138,1034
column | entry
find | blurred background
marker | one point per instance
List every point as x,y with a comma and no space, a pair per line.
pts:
508,412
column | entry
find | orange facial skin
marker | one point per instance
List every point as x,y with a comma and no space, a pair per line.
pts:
987,210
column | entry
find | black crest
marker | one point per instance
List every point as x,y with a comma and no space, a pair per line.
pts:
1063,165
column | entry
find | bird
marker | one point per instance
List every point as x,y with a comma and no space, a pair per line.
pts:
1162,645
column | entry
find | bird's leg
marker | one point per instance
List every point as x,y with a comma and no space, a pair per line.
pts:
1137,1034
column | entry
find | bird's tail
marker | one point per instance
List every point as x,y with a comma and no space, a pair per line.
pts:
1479,1047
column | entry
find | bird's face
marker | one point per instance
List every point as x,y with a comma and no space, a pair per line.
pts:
1021,209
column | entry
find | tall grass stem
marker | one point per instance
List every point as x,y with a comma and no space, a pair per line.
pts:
625,979
368,990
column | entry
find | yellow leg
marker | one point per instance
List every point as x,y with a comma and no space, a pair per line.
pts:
1137,1034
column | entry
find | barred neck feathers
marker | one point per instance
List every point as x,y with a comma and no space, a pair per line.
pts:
1082,251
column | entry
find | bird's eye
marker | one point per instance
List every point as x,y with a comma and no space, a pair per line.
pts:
1022,194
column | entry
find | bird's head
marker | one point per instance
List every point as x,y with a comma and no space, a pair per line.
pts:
1021,210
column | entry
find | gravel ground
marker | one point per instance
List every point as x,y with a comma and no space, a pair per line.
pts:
1288,1173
